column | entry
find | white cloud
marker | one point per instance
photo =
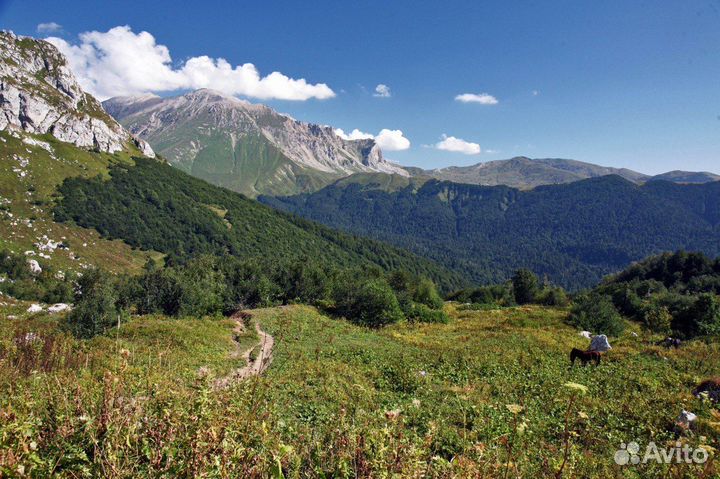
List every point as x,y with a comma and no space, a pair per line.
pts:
535,92
392,140
121,62
49,27
457,145
482,98
353,135
388,140
382,91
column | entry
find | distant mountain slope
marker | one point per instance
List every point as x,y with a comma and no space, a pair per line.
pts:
678,176
525,173
245,147
575,233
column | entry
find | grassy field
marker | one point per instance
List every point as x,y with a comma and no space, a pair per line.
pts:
483,396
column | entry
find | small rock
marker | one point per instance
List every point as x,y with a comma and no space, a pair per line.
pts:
35,308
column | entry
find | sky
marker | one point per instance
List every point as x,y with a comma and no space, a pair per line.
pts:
627,83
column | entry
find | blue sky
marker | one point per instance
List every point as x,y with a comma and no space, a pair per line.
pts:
619,83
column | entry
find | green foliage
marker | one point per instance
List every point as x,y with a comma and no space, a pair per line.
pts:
96,308
657,318
525,286
683,285
553,296
156,207
596,313
574,233
46,287
493,295
370,302
706,312
408,400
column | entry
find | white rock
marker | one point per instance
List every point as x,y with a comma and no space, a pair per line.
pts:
58,308
600,343
44,97
34,308
686,418
34,267
586,334
634,334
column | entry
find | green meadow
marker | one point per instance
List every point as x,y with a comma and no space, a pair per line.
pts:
490,394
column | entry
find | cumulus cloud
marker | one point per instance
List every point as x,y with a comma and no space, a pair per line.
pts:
353,135
388,140
49,27
482,98
121,62
382,91
457,145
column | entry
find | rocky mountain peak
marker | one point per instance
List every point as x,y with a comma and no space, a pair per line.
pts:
220,137
39,94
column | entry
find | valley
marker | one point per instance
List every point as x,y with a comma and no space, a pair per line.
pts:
194,285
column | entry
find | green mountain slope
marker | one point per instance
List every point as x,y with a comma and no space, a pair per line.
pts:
154,206
575,233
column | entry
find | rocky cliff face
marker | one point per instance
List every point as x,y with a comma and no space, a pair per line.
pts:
244,146
39,94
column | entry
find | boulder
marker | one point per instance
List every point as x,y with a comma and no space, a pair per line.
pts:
600,343
34,267
586,334
58,308
35,308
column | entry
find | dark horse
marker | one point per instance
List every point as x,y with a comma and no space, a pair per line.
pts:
584,356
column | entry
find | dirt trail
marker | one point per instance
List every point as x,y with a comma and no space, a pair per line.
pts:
253,367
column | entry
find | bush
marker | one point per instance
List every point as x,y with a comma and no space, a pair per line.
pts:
656,318
525,286
371,302
421,313
426,293
553,296
706,315
96,308
596,313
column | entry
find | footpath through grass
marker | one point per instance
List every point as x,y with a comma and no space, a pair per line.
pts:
482,396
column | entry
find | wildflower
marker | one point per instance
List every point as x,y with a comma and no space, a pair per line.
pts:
514,408
124,353
416,402
203,372
392,415
577,387
583,415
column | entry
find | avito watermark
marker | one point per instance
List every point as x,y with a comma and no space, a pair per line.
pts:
630,454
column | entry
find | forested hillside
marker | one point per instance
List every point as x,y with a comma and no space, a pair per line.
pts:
154,206
574,233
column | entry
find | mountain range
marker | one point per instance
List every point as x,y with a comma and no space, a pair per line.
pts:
525,173
71,174
245,147
574,233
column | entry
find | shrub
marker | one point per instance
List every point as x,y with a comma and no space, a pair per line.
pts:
553,296
421,313
96,308
426,293
371,302
525,286
595,312
657,318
